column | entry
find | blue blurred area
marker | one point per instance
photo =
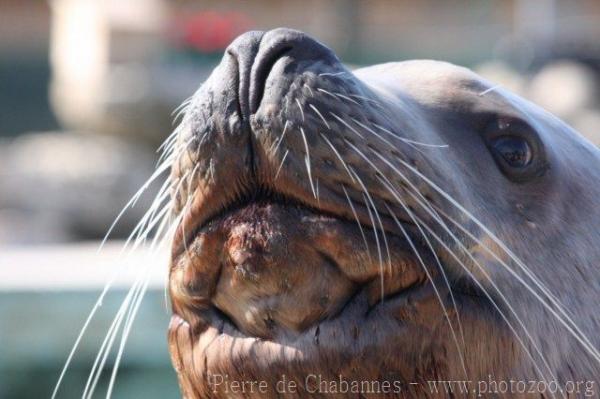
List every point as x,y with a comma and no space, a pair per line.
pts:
24,104
38,329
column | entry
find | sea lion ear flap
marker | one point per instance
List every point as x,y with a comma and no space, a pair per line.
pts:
516,148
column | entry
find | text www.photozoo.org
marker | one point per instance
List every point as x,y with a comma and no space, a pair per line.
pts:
319,384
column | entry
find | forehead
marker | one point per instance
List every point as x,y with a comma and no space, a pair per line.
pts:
425,78
434,83
422,72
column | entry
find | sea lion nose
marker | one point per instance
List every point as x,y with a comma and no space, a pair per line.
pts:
298,47
257,52
243,50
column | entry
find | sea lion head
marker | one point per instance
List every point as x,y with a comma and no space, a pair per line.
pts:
400,223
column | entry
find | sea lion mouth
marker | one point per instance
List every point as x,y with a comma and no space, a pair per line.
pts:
289,233
204,215
271,264
322,230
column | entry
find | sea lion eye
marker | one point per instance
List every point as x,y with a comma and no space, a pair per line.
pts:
517,149
514,150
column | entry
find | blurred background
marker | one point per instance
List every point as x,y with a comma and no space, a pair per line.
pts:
87,93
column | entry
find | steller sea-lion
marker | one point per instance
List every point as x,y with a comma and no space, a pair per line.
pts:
371,232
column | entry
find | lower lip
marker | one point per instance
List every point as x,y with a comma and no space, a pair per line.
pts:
283,260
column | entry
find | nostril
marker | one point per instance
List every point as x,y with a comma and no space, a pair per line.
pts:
242,53
254,54
295,46
261,69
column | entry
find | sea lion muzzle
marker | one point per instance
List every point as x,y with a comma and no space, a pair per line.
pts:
368,225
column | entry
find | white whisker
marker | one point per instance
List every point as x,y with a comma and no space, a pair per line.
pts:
565,320
275,146
353,130
320,115
307,162
359,224
419,143
335,151
301,110
309,90
281,164
334,73
489,90
340,95
368,203
327,92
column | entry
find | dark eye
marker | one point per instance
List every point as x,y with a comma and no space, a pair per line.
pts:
517,149
514,150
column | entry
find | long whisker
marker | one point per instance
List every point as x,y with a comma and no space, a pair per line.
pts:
435,289
360,228
108,284
312,94
373,132
398,198
419,143
381,174
335,73
565,320
368,204
494,304
172,138
320,115
136,306
107,344
159,171
352,129
307,162
301,110
128,302
139,232
479,242
182,108
375,102
327,92
281,164
136,235
426,208
169,153
360,153
275,146
462,247
342,96
338,155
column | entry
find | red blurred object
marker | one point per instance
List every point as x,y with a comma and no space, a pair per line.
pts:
210,31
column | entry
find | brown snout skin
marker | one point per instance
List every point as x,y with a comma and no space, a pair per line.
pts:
273,268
